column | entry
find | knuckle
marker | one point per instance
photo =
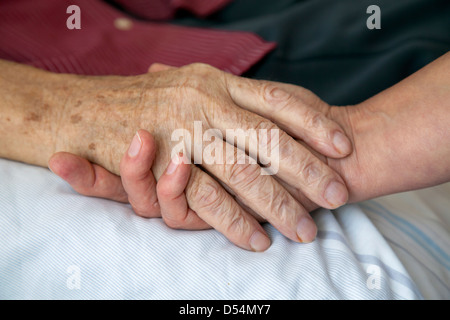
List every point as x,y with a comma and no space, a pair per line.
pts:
313,119
277,97
200,65
282,147
281,206
311,172
264,124
266,136
201,68
237,224
284,143
206,195
241,175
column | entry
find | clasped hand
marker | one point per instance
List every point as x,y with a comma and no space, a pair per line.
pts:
106,113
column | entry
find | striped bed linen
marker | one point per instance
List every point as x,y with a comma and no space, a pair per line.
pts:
57,244
416,225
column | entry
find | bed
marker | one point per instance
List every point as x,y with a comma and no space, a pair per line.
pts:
57,244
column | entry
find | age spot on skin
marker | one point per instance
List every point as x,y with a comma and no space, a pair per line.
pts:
92,146
32,116
75,118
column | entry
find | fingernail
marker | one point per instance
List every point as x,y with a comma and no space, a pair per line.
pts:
341,143
173,165
135,146
336,194
306,229
259,241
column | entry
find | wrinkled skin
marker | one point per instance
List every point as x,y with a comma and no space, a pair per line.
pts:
103,113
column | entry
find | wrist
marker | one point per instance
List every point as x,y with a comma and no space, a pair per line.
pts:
399,136
356,169
30,104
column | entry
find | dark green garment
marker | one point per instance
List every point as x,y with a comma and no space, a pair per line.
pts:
325,45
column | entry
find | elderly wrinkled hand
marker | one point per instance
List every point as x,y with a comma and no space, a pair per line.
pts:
229,195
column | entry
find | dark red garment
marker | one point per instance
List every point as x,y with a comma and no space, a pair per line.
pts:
35,33
165,9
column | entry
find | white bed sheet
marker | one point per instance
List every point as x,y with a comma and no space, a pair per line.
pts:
56,244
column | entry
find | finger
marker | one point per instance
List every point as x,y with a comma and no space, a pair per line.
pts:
217,208
172,199
157,67
137,176
260,192
86,178
295,109
243,205
283,156
297,193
